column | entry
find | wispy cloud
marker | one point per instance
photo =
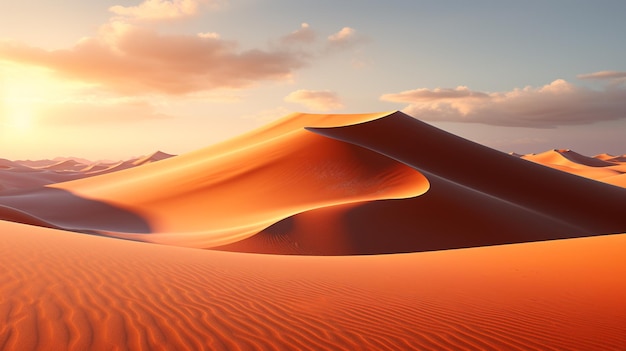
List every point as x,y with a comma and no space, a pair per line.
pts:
154,10
345,38
305,34
603,75
209,35
555,104
344,35
320,100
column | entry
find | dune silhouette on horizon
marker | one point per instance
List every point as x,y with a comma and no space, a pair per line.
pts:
23,175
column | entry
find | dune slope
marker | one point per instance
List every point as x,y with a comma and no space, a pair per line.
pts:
210,198
604,167
335,185
477,197
61,290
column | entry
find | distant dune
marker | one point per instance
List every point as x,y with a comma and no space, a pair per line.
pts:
604,167
60,169
348,205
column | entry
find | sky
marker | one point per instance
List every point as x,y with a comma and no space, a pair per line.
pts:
114,79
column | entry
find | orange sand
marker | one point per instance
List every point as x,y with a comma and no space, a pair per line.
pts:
68,291
317,185
330,185
604,167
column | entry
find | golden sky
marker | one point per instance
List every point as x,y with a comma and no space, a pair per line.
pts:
113,80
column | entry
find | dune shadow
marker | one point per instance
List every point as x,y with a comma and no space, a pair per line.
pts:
57,208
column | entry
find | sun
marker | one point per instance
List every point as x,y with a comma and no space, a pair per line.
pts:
24,93
18,117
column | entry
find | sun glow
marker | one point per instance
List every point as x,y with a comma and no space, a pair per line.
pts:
25,93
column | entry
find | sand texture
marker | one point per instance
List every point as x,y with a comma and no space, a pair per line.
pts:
68,291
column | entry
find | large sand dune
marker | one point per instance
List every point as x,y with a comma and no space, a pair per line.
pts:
322,189
334,185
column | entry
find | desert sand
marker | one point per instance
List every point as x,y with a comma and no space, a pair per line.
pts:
605,168
365,231
28,174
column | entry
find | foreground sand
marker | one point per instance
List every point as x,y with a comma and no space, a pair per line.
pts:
67,291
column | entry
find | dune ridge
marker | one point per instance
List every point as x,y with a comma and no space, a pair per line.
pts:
515,201
20,175
332,185
296,172
604,167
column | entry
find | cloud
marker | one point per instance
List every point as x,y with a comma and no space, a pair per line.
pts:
603,75
152,10
321,100
345,38
427,95
209,35
555,104
133,60
303,35
345,34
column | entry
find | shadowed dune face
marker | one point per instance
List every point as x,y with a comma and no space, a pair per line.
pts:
64,291
207,199
240,193
477,197
339,185
17,176
57,208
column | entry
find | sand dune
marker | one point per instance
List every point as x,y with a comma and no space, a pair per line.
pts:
477,197
335,185
207,203
611,158
22,177
567,157
617,180
68,291
603,167
65,166
154,157
321,190
60,169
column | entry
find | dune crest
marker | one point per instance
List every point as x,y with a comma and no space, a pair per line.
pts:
223,198
337,185
603,167
478,196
